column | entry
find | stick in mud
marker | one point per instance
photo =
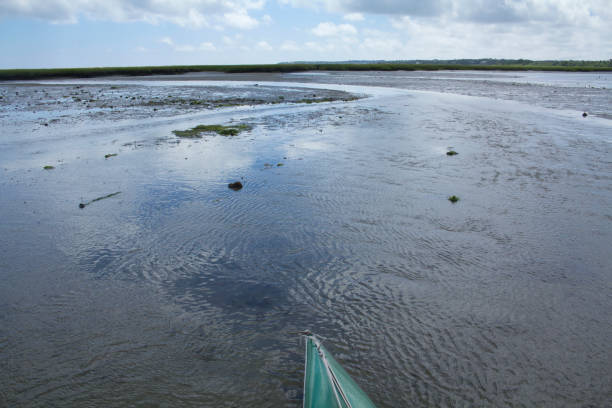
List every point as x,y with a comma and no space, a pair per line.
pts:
82,205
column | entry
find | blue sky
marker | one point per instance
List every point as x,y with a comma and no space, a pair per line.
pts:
80,33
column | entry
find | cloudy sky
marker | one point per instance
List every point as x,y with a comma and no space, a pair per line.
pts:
77,33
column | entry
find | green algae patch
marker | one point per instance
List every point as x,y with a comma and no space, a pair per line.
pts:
48,167
196,132
453,199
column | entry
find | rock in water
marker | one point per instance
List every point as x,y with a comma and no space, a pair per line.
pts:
235,185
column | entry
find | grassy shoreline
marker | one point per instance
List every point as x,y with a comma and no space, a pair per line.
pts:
32,74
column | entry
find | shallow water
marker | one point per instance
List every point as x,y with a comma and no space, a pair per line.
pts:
181,292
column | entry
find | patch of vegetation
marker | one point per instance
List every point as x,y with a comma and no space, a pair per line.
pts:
48,167
453,199
106,156
451,153
424,65
196,132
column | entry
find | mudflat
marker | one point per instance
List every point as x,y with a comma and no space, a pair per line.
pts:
131,273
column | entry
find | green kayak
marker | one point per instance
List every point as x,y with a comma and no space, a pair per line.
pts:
326,383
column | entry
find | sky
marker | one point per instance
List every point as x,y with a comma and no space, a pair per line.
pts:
86,33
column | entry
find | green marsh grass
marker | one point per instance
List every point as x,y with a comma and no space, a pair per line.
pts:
31,74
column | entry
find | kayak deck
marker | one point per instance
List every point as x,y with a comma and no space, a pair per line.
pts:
326,383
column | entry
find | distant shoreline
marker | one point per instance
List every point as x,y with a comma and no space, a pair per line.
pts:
33,74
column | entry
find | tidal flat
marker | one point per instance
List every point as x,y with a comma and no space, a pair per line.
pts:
168,288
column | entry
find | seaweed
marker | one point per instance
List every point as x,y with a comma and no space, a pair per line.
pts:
453,199
196,132
235,185
83,205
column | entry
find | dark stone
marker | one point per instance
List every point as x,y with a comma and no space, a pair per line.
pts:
235,185
584,115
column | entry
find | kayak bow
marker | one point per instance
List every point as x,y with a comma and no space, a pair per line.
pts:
326,383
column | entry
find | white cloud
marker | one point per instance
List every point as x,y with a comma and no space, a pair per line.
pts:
320,48
240,19
477,11
330,29
232,41
391,7
264,46
383,46
354,17
185,48
289,46
188,13
205,46
414,29
167,40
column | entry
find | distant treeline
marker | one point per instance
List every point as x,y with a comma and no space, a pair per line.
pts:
503,65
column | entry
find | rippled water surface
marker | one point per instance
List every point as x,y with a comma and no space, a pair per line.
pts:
181,292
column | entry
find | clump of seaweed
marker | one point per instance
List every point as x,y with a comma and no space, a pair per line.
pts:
451,153
106,156
48,167
235,185
196,132
83,205
453,199
320,100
